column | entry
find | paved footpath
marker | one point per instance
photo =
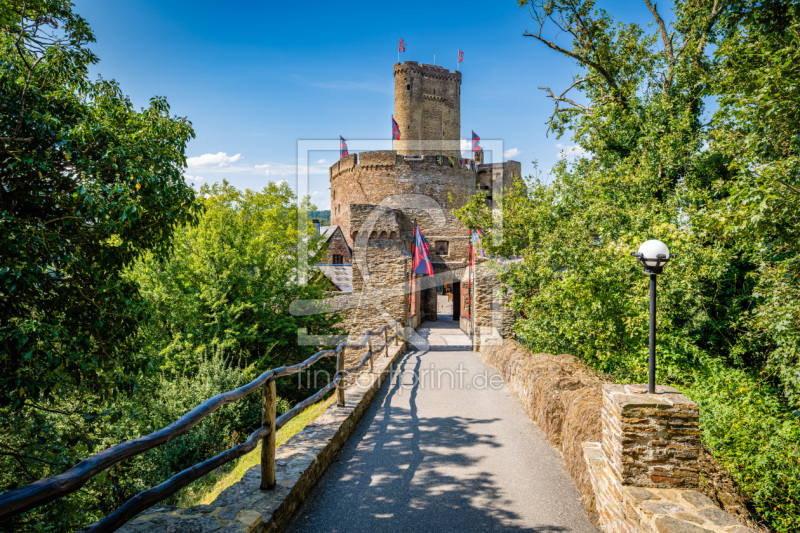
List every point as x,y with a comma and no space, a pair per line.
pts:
444,447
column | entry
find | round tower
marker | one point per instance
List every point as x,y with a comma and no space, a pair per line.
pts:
427,108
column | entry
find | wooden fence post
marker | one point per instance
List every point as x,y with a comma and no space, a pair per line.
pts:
369,346
268,414
386,340
339,371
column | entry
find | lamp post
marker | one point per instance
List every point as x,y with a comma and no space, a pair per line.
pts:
653,255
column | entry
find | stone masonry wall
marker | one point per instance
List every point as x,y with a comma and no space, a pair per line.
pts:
651,440
369,177
493,320
565,399
646,465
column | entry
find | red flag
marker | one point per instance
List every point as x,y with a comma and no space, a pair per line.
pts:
476,147
461,56
342,147
395,130
422,263
402,47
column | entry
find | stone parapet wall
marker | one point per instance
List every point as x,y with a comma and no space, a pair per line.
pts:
372,177
651,440
565,399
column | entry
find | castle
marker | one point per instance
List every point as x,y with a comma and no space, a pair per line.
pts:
377,196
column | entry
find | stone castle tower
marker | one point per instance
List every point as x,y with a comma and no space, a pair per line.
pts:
376,196
427,107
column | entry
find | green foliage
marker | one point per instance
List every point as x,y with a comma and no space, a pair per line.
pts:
323,216
224,291
758,129
721,194
754,437
230,280
88,185
114,287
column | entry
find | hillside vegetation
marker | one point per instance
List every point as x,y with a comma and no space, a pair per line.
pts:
126,298
691,132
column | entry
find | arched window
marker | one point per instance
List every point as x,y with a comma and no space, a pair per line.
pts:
373,235
393,235
384,235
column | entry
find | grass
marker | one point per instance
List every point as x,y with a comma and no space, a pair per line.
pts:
206,489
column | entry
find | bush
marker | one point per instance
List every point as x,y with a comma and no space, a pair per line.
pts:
755,438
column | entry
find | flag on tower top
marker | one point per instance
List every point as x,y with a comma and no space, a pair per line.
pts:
476,147
402,47
461,56
342,147
422,263
395,130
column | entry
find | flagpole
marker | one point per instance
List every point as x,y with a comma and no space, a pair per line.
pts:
411,277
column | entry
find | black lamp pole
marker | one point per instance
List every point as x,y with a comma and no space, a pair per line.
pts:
651,382
653,265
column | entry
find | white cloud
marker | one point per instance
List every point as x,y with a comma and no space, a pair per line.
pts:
221,165
281,182
219,160
275,169
571,151
512,152
465,146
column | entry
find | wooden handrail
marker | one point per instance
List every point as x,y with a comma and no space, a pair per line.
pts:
48,489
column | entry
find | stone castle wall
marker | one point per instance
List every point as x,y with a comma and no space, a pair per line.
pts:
427,107
369,177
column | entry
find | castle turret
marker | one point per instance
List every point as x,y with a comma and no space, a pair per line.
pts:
427,108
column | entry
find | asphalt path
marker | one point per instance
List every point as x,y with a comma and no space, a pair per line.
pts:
444,447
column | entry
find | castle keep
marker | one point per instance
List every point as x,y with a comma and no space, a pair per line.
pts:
427,106
377,196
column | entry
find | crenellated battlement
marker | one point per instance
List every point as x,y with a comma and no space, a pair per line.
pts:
428,71
389,159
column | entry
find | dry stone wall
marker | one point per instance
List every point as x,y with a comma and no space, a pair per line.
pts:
566,400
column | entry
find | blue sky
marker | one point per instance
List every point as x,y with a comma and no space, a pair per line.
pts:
256,77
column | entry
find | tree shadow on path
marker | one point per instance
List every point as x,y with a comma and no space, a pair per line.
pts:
402,472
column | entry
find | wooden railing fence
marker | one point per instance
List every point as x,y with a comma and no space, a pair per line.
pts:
46,490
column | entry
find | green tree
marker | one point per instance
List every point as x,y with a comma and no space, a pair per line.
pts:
719,192
758,129
88,185
230,280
